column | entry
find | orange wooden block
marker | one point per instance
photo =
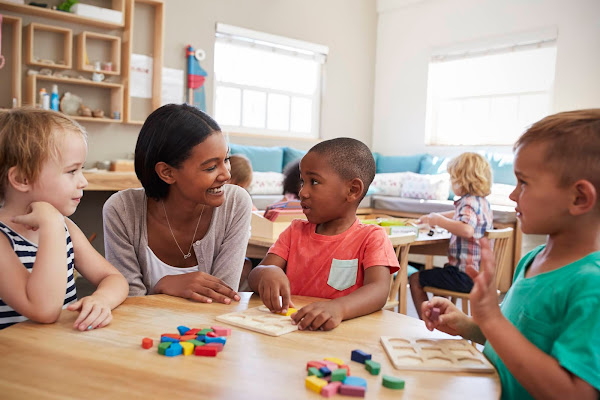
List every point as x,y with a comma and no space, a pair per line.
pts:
187,337
147,343
171,335
316,364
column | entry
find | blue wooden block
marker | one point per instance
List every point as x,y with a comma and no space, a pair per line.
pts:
182,329
168,339
174,350
218,339
359,356
355,381
325,371
201,337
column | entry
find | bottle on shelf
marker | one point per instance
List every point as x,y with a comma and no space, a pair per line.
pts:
54,98
44,99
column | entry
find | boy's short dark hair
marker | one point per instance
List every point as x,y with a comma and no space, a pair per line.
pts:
349,158
291,178
169,135
573,144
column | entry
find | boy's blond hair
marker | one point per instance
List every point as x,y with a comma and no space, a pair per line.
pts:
28,137
472,173
573,145
241,170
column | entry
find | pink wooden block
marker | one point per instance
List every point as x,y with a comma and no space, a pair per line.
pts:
435,314
331,389
354,391
221,331
330,365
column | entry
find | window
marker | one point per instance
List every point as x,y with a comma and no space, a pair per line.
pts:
490,96
267,84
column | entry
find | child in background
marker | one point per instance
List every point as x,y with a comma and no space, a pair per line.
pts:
471,178
41,183
544,338
241,172
332,255
291,181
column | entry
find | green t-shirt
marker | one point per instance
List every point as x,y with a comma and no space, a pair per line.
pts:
559,312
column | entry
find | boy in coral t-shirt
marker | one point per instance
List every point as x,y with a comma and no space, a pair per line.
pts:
332,255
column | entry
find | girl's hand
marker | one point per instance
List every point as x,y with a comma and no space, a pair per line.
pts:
39,214
451,320
322,315
94,312
197,286
484,297
274,289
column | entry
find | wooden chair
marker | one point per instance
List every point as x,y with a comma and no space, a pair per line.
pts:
501,238
399,282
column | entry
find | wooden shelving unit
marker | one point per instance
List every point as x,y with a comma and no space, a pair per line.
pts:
83,55
15,57
30,46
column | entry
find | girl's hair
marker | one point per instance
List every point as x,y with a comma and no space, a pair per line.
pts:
241,170
472,173
28,137
169,135
291,178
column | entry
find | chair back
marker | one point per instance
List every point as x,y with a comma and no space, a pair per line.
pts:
501,241
399,282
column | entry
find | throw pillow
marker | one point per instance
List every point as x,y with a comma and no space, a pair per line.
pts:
263,159
388,184
266,183
428,187
500,193
387,164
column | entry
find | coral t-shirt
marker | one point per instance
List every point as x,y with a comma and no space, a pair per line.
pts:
332,266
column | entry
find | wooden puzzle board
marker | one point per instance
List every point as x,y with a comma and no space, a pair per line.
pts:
260,319
435,355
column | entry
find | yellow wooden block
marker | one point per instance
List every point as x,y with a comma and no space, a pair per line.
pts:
315,384
334,360
188,348
289,312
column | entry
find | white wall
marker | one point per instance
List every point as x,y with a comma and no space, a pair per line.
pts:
408,30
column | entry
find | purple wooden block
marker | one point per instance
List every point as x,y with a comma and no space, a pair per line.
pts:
354,391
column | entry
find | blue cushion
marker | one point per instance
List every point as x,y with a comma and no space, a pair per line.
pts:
433,165
502,168
399,163
263,159
290,154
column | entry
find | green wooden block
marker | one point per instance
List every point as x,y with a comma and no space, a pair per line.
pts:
338,375
162,347
196,342
314,371
205,331
373,367
391,382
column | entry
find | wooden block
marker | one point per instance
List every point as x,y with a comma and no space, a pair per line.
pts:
373,367
355,381
182,329
391,382
211,334
316,364
289,312
435,314
196,342
339,375
359,356
331,389
354,391
168,339
325,371
331,365
162,347
219,346
347,368
314,383
188,348
260,319
205,331
334,360
193,331
174,350
314,371
221,331
185,338
218,339
206,351
147,343
122,166
171,335
420,354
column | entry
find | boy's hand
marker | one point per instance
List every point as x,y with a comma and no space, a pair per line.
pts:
94,312
273,284
451,320
431,219
197,286
484,297
39,214
322,315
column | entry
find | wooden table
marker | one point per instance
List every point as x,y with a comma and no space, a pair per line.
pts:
56,362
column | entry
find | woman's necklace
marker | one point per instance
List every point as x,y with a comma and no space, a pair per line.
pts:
189,253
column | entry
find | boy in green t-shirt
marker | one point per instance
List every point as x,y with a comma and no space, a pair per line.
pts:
545,338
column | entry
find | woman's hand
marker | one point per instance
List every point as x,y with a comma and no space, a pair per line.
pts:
94,312
322,315
197,286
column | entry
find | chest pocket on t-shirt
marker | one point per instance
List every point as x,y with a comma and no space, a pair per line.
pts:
343,274
540,333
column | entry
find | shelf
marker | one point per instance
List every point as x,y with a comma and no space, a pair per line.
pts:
11,44
78,81
111,181
57,15
84,56
30,34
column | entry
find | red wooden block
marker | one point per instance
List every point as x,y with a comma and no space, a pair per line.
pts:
187,337
211,334
354,391
147,343
316,364
171,335
218,345
193,332
206,351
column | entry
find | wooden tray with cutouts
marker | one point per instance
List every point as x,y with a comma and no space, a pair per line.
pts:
260,319
419,354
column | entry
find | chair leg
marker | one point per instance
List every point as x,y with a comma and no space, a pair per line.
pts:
453,300
465,306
